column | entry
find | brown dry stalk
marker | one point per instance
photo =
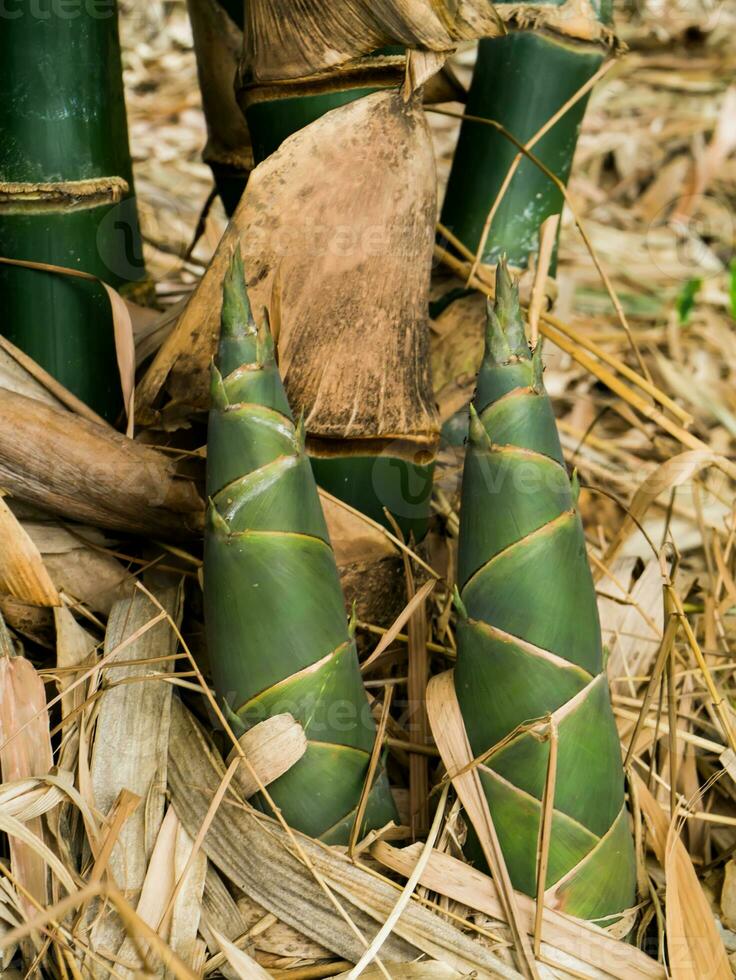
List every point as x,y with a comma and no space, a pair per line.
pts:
372,767
545,834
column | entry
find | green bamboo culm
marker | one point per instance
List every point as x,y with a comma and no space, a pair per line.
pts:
66,191
275,112
520,80
529,641
277,631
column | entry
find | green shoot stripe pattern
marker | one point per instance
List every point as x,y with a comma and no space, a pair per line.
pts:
276,626
529,644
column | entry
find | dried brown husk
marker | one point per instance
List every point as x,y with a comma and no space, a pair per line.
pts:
287,39
350,259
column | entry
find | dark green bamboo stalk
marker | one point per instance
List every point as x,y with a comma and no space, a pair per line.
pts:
66,191
276,624
520,80
529,643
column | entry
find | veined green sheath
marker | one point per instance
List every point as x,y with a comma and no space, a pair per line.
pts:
276,625
66,190
529,643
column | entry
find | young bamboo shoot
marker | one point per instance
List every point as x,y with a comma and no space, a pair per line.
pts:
529,641
276,623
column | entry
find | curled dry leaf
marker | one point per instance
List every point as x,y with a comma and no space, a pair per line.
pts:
694,946
25,750
672,473
271,747
313,35
22,571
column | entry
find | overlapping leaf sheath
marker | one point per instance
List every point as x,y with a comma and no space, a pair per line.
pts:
521,80
276,623
66,194
529,643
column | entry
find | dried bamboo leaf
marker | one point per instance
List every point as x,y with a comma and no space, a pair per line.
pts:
583,944
132,729
33,622
631,627
220,911
447,726
234,920
25,750
75,647
15,378
420,67
254,854
694,946
354,256
272,747
187,907
353,538
278,939
369,564
244,966
29,798
130,745
22,571
672,473
157,887
426,970
80,570
91,473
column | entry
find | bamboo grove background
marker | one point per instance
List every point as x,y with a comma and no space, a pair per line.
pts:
658,139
